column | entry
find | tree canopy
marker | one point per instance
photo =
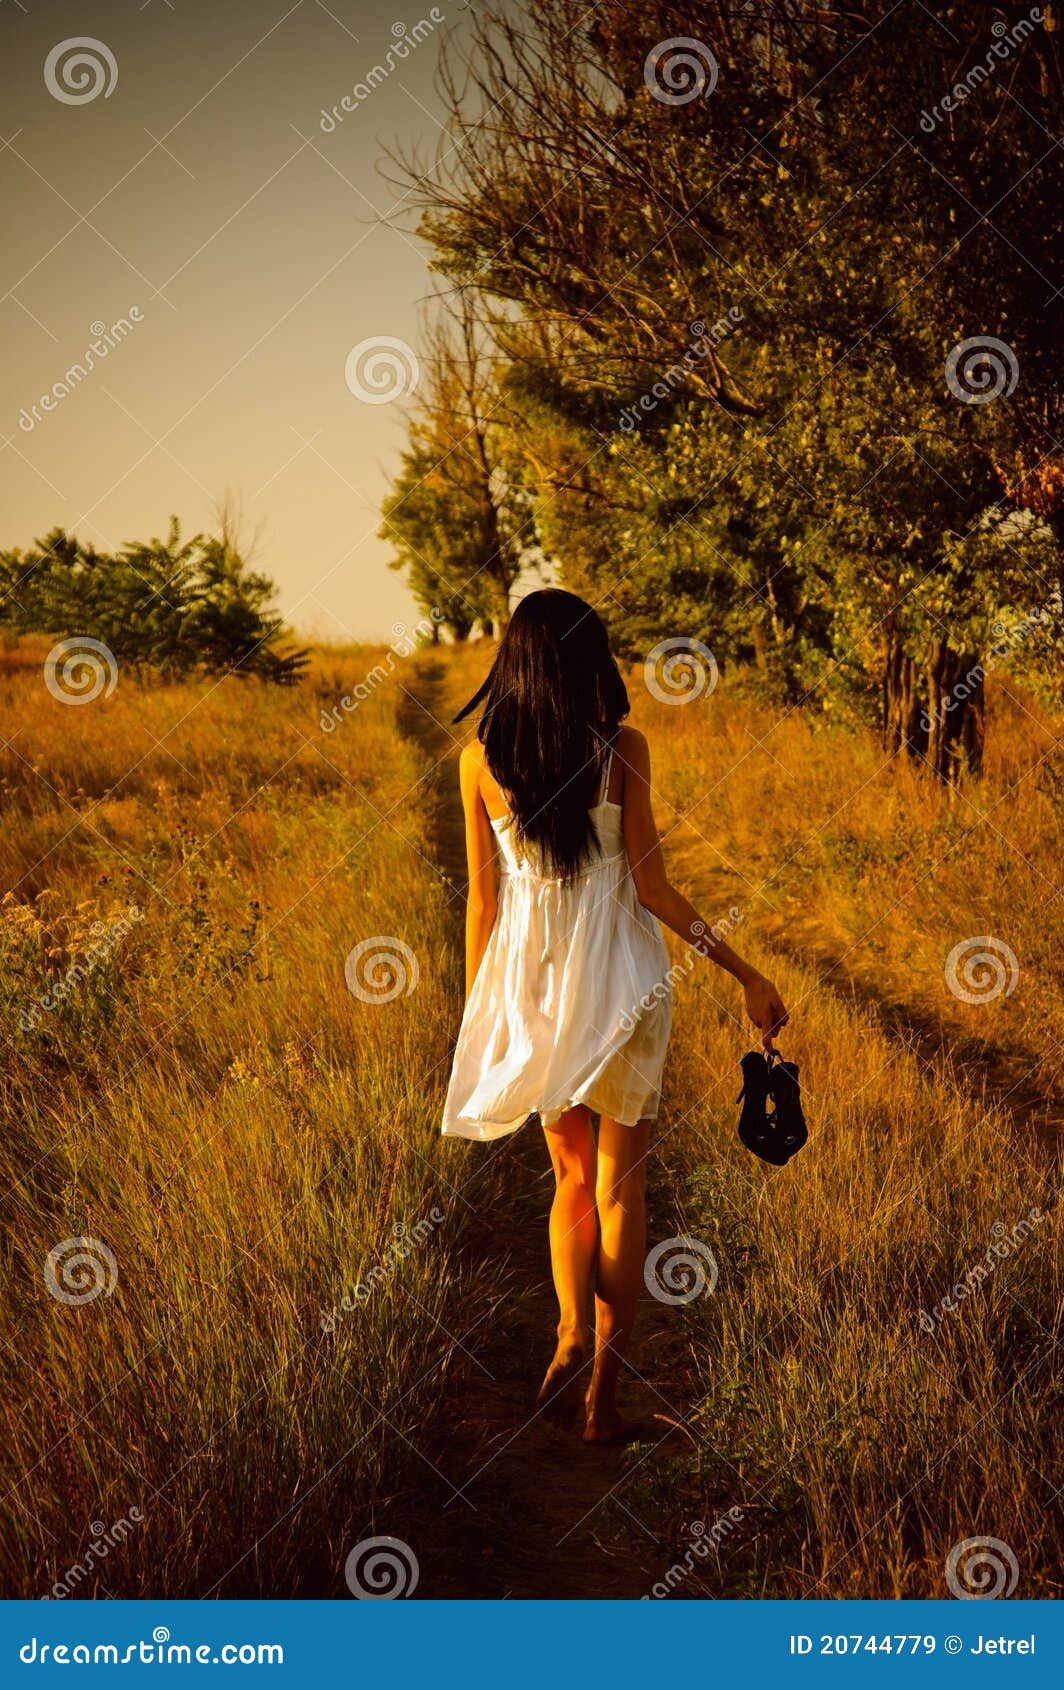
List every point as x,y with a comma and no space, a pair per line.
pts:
460,516
775,294
170,605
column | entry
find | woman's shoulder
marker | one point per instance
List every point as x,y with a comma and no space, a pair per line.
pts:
472,756
471,766
632,747
476,778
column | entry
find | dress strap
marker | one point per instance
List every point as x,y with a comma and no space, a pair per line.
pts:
606,774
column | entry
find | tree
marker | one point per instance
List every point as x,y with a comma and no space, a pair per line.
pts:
460,516
736,273
172,606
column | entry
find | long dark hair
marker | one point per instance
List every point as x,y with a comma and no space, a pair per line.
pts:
553,702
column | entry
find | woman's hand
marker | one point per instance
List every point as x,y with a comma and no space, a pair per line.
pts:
765,1007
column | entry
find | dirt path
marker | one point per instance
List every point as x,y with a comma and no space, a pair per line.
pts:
537,1516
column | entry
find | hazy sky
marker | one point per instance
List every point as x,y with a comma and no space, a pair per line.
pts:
202,201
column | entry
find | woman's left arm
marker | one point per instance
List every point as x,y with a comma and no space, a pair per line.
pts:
482,903
657,894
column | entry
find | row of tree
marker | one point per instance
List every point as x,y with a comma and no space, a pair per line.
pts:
170,606
711,270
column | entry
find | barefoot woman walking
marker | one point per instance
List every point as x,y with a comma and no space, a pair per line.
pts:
568,1005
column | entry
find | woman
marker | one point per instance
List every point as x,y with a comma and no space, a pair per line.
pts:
568,1000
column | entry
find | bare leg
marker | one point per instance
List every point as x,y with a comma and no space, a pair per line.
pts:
573,1242
621,1199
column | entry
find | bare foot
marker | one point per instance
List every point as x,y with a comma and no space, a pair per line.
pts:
605,1426
559,1394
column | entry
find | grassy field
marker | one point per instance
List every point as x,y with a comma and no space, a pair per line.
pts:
863,1446
241,1132
247,1140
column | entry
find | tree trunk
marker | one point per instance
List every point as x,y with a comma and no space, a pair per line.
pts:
956,710
935,712
903,729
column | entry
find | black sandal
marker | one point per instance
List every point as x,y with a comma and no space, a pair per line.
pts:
779,1135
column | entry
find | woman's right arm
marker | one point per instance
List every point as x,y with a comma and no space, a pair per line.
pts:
657,894
482,903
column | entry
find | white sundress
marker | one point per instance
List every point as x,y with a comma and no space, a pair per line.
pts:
572,1002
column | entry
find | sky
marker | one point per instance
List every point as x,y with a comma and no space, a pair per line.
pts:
193,198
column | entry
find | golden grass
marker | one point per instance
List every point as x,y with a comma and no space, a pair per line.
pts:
866,867
213,1104
860,1447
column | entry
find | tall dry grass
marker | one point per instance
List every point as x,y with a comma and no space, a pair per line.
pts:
860,1446
865,866
214,1105
863,1428
245,1136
